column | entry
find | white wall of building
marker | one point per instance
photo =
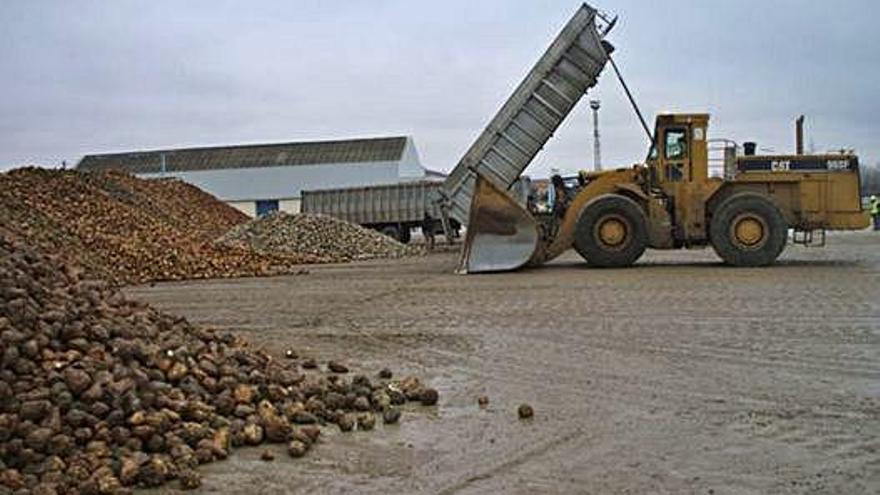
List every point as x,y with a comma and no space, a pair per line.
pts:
293,205
249,208
409,167
244,184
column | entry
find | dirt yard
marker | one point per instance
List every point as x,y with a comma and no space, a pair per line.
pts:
677,376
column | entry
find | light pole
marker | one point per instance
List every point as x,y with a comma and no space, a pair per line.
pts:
597,154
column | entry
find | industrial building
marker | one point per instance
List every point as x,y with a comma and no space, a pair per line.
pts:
259,179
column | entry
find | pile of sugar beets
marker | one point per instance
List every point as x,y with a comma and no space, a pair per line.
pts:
128,230
326,238
99,393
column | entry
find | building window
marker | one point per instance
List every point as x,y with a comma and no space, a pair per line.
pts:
266,206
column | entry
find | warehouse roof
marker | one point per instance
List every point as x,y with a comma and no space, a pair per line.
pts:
250,156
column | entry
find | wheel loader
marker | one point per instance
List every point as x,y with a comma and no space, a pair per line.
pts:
668,202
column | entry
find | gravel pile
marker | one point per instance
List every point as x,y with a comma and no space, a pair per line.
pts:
99,393
128,230
320,235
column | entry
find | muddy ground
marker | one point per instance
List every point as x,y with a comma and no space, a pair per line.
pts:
678,376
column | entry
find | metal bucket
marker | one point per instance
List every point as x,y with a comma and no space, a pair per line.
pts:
501,234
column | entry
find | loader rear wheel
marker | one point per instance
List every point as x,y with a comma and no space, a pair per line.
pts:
748,231
611,232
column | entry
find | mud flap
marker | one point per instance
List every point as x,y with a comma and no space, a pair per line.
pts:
501,234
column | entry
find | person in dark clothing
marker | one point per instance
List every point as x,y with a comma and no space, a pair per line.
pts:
562,199
428,231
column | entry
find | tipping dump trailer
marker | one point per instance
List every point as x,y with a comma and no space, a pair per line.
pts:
521,128
393,209
500,236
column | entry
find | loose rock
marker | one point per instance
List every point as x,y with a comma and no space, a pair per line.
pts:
253,434
411,386
77,380
189,479
397,397
337,367
312,432
297,448
391,415
346,422
429,397
366,421
525,411
362,404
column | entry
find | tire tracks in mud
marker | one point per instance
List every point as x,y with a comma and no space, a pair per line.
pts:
840,429
817,424
513,461
607,384
348,319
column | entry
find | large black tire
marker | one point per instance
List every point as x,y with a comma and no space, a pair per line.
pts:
748,230
391,231
405,234
611,232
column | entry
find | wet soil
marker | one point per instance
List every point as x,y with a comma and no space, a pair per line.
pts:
677,376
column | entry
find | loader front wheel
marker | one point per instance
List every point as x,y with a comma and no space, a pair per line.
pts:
748,231
611,232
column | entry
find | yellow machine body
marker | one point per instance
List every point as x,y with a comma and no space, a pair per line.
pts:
668,202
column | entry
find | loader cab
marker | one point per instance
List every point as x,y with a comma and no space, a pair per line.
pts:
679,153
679,167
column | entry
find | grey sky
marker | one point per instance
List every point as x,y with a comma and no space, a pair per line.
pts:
93,76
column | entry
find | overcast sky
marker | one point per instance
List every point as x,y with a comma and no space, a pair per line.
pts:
99,76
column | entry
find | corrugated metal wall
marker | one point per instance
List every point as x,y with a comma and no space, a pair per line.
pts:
395,203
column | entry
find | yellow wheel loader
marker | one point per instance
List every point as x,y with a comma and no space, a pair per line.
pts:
668,202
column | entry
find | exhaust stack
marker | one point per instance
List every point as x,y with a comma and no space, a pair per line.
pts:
799,135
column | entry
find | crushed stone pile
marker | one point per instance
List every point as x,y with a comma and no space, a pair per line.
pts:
99,393
119,228
320,235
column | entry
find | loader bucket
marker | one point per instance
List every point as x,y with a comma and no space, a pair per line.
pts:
501,234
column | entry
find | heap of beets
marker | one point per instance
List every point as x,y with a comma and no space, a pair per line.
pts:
99,393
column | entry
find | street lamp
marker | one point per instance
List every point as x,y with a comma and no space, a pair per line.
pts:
597,154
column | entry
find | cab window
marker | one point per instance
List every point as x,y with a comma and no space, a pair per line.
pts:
676,144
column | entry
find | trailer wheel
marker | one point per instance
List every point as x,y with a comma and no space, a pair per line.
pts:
405,234
391,231
611,232
748,230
